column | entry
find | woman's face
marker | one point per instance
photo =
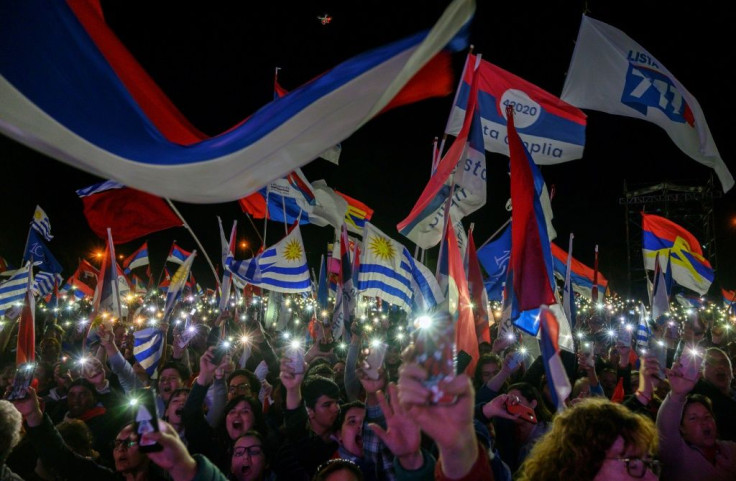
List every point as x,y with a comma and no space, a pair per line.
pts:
698,426
615,466
248,461
239,420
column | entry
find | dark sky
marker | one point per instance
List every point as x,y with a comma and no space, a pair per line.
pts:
216,61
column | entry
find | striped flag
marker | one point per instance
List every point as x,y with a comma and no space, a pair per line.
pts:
568,297
139,258
357,215
177,255
41,223
43,282
178,281
642,330
13,291
282,267
557,381
147,348
385,268
26,339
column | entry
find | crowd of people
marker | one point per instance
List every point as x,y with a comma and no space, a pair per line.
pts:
271,408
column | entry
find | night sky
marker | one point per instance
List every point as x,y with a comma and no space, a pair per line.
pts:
216,62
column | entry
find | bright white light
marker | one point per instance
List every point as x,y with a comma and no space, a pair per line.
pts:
423,322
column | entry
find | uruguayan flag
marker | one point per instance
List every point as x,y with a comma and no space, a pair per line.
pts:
13,291
427,292
41,223
43,283
281,268
385,268
147,347
642,330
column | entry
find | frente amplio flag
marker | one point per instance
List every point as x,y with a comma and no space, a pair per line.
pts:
552,130
581,275
612,73
123,127
689,268
130,213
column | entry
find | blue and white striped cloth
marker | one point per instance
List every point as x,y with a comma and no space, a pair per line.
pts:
13,291
43,283
147,348
41,223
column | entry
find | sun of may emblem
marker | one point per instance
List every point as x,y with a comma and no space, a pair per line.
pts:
293,250
382,248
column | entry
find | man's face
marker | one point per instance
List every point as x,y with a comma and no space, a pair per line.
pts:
489,370
125,452
323,415
79,400
248,461
717,370
239,386
698,426
175,408
170,381
351,431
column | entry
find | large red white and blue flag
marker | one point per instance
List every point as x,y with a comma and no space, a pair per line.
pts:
123,127
139,258
177,255
689,268
612,73
530,274
283,200
553,131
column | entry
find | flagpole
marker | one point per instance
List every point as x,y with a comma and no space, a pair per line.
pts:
250,219
187,227
454,101
496,233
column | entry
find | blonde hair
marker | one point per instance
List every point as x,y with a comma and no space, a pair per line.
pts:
576,445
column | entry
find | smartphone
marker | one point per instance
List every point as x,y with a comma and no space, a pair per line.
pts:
373,354
219,352
525,412
295,353
186,336
516,359
434,350
23,378
146,420
691,361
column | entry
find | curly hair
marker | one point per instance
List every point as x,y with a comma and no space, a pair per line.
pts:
10,422
576,445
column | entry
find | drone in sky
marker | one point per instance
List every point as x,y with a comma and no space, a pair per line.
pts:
324,19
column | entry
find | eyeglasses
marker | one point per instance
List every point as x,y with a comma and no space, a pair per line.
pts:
637,467
239,388
251,450
123,444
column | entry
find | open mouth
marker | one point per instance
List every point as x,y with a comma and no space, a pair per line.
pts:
359,441
245,469
179,411
237,425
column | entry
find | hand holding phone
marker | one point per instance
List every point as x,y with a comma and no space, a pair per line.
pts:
513,406
295,353
372,358
515,360
434,350
691,361
23,378
146,420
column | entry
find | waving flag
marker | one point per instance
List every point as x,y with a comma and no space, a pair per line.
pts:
107,292
227,250
494,257
568,297
385,268
41,223
461,174
178,281
283,200
426,291
728,297
147,348
331,208
281,268
458,299
26,338
177,255
642,330
13,290
39,254
552,130
612,73
530,267
123,127
322,284
130,213
345,298
581,275
478,293
557,381
689,268
139,258
357,215
44,282
660,297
